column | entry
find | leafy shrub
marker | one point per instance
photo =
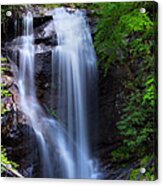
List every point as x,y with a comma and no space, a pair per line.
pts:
127,37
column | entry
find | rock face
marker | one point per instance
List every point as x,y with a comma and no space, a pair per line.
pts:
43,76
16,135
112,94
19,142
111,98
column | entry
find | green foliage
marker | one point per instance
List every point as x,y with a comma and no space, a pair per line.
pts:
6,161
120,32
72,5
53,113
149,174
4,69
127,37
150,92
5,94
4,91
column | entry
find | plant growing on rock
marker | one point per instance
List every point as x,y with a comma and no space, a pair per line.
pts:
127,37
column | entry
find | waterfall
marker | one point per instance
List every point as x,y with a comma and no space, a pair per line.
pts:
74,61
48,132
64,149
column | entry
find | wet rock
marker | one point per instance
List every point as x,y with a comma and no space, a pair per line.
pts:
21,138
7,80
41,37
43,75
112,95
44,40
16,135
93,24
40,20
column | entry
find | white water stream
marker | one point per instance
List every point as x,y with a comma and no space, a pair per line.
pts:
75,62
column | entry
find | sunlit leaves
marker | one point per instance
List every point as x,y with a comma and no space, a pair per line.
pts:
127,37
6,161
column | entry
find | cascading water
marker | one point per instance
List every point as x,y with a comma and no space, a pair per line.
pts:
48,132
64,145
74,61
